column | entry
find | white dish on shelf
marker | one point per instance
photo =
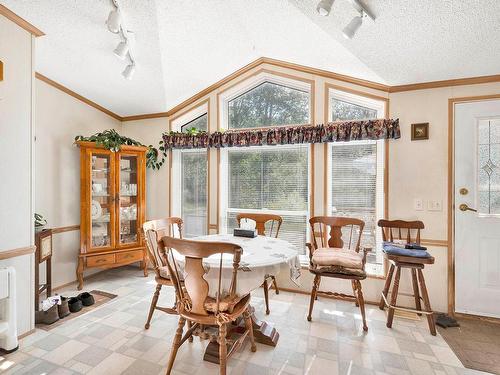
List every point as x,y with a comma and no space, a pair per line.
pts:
96,210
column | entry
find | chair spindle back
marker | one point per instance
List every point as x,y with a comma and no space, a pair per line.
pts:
329,231
260,222
153,231
196,288
395,230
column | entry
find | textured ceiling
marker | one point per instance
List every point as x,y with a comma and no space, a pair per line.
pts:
184,46
419,40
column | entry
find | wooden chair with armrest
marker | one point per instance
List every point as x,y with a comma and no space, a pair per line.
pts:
194,304
261,220
153,231
330,255
405,232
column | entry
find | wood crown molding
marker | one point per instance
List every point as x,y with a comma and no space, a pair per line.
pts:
21,22
17,252
282,64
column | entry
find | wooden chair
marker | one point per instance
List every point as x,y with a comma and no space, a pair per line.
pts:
407,231
154,230
261,220
194,304
331,256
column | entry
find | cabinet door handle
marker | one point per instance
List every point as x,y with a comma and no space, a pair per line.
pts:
100,260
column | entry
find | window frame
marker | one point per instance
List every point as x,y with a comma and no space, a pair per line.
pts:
380,105
176,124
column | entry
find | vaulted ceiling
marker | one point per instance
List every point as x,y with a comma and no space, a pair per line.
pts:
183,46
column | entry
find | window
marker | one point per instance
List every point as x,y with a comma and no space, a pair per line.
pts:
269,104
271,179
356,180
189,180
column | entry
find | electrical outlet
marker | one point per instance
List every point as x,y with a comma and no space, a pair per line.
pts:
418,204
435,205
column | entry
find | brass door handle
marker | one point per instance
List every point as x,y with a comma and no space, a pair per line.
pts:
464,207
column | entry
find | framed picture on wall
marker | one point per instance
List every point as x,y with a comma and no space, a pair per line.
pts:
420,131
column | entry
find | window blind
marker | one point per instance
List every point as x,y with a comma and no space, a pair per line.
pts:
271,179
194,184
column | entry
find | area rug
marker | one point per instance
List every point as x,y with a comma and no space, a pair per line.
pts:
100,299
476,343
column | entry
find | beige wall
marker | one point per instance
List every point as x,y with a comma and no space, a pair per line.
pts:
16,157
149,132
59,118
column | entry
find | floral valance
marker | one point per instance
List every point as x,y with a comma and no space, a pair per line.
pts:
344,131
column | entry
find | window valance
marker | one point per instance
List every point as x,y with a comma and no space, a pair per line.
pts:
343,131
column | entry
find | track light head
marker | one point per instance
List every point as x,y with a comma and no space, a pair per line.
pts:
129,71
324,7
121,50
114,21
352,27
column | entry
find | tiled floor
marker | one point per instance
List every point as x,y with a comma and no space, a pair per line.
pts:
112,340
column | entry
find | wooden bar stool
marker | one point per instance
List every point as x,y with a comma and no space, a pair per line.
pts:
414,264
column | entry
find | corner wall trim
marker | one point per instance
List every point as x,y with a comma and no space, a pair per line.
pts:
17,252
21,22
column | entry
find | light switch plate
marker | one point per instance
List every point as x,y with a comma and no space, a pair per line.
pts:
418,204
435,205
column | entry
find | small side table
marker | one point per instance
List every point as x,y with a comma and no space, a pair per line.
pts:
416,265
43,242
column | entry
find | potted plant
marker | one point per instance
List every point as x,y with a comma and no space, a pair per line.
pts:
40,222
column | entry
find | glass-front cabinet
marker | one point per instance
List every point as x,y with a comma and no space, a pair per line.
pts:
112,207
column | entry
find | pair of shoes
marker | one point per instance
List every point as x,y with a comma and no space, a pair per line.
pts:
83,299
47,317
63,308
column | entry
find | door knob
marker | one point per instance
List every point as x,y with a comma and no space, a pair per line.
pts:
464,207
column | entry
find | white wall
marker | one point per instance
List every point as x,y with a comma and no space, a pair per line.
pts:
59,118
16,207
149,132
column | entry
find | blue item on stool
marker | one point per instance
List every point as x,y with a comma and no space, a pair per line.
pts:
392,249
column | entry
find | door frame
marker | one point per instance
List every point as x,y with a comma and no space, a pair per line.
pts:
451,192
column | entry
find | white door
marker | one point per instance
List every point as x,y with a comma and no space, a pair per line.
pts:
477,208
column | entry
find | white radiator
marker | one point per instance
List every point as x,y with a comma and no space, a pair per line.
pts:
8,323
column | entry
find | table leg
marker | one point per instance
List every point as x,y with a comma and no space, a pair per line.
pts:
264,333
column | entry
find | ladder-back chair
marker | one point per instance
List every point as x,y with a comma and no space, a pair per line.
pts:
335,252
194,304
273,224
153,231
406,232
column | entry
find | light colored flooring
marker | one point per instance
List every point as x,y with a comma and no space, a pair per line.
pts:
112,340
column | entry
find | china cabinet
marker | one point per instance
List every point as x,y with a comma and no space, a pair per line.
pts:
112,207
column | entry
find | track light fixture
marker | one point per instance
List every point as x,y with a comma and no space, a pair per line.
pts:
124,48
114,21
350,30
324,7
129,71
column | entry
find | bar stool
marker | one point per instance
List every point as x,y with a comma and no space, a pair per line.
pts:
414,264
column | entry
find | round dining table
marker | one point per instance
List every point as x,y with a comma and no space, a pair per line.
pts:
261,256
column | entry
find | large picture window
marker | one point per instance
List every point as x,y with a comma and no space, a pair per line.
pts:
267,179
356,174
189,188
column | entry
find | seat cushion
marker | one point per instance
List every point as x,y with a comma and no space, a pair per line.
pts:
164,272
226,304
337,257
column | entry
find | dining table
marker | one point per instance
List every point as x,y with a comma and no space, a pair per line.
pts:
261,256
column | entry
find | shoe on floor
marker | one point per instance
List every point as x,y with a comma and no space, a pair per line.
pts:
63,308
74,304
47,317
86,298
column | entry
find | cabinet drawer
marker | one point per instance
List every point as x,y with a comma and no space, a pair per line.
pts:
129,256
100,260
